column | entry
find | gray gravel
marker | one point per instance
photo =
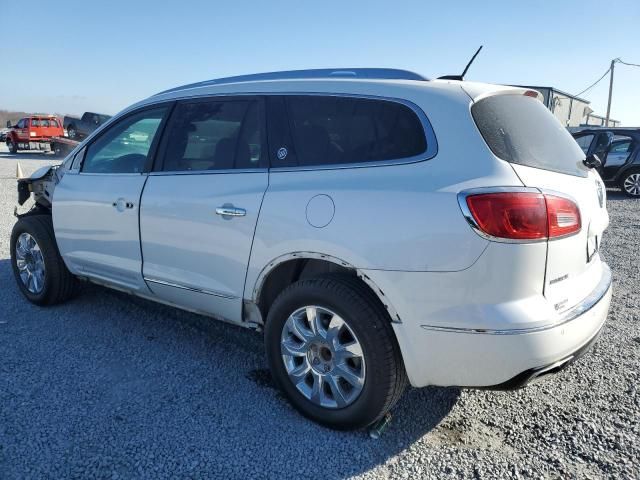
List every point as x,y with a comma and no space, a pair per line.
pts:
109,386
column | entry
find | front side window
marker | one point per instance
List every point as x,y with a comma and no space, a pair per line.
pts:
340,130
124,148
214,135
22,123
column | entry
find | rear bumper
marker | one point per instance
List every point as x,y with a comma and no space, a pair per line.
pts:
504,358
522,379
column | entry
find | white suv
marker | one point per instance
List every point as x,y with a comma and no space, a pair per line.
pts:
378,227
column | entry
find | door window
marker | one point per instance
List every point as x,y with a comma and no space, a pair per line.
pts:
125,147
22,123
585,142
214,135
619,151
338,130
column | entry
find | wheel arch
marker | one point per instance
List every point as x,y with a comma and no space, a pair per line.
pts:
286,269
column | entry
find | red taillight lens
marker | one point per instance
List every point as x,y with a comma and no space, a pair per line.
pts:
524,215
517,216
564,216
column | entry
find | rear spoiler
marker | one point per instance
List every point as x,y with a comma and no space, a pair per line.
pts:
479,91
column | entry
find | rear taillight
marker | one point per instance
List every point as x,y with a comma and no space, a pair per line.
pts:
521,216
563,215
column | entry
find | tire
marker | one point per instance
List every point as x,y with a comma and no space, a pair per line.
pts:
630,183
72,133
13,147
55,284
367,323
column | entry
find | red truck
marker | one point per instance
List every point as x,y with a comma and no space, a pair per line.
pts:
36,132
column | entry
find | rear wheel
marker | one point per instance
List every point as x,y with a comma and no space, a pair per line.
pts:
72,132
13,147
630,183
38,268
332,350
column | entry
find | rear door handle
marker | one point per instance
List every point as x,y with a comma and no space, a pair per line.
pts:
231,211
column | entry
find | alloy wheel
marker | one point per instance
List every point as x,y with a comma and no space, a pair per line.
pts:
632,184
30,263
323,357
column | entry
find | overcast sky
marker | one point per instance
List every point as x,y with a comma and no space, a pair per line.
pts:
74,56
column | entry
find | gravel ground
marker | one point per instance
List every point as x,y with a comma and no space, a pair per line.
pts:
109,386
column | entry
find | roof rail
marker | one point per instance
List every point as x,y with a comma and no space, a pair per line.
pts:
368,73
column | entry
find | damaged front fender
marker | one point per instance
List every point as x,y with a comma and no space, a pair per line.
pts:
41,184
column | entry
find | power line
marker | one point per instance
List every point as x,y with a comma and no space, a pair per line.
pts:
617,60
594,83
626,63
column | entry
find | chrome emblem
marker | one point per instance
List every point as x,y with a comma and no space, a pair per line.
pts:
282,153
600,191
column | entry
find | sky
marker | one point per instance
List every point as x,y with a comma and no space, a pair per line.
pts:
102,56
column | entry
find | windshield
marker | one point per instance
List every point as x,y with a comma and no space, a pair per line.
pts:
520,129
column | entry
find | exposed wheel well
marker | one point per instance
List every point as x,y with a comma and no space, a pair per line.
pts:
291,271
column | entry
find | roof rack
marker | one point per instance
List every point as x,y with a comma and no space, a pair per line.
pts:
359,73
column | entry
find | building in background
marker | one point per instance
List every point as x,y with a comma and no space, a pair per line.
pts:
572,111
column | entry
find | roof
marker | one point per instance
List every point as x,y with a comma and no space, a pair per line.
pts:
318,73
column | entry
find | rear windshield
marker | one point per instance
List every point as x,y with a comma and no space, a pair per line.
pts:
520,129
44,122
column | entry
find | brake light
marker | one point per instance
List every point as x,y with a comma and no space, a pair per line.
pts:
524,215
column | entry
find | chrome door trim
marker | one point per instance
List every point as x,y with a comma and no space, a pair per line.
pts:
191,289
429,133
226,171
581,308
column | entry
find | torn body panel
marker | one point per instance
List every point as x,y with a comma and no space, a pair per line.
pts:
41,184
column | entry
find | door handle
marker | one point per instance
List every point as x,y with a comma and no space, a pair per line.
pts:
231,211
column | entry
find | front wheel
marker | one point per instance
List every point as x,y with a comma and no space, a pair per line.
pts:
12,146
39,270
630,183
331,349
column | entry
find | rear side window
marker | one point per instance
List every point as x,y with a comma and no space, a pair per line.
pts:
214,135
520,129
335,130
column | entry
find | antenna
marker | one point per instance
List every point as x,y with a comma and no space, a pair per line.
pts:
464,72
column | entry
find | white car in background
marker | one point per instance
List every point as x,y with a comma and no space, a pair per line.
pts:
377,226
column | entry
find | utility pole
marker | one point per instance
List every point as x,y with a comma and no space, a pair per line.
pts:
613,62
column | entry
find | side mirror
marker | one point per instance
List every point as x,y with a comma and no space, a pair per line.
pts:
8,123
592,161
